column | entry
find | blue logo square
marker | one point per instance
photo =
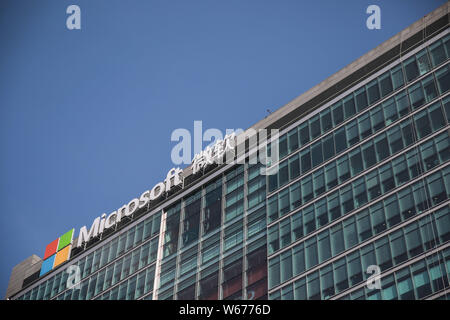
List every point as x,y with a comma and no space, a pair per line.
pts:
47,265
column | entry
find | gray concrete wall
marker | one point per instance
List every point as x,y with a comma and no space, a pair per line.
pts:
22,271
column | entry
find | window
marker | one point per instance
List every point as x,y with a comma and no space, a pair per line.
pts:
395,139
285,233
293,140
309,221
437,53
443,224
273,239
436,188
328,147
212,212
429,88
294,167
356,163
330,175
398,246
400,168
392,210
346,199
372,91
311,253
402,103
397,77
383,253
326,282
320,208
340,139
272,204
385,84
429,155
333,206
421,279
305,159
298,259
314,124
319,182
295,195
390,111
416,95
442,143
352,133
283,146
368,152
283,173
323,240
378,220
361,98
436,116
443,79
377,118
307,193
365,128
422,124
354,268
274,272
404,284
373,185
411,69
337,239
283,202
359,192
191,220
300,289
367,258
343,168
286,266
316,154
381,147
313,286
338,113
340,275
406,203
325,119
297,226
303,132
413,239
423,62
363,225
349,106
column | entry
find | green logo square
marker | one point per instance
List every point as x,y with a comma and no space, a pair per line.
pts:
65,239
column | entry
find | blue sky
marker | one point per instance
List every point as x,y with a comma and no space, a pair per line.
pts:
86,115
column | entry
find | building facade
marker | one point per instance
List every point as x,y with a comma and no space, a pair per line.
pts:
363,180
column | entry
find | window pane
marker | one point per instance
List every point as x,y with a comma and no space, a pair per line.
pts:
429,88
314,124
437,53
423,62
416,95
303,132
411,69
397,77
390,111
443,79
385,84
338,113
325,119
372,91
349,106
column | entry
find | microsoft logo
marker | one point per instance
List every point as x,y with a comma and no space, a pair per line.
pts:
57,252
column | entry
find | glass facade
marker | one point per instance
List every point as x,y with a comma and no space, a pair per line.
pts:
362,181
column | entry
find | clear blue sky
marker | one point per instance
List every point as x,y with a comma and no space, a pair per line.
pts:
86,116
